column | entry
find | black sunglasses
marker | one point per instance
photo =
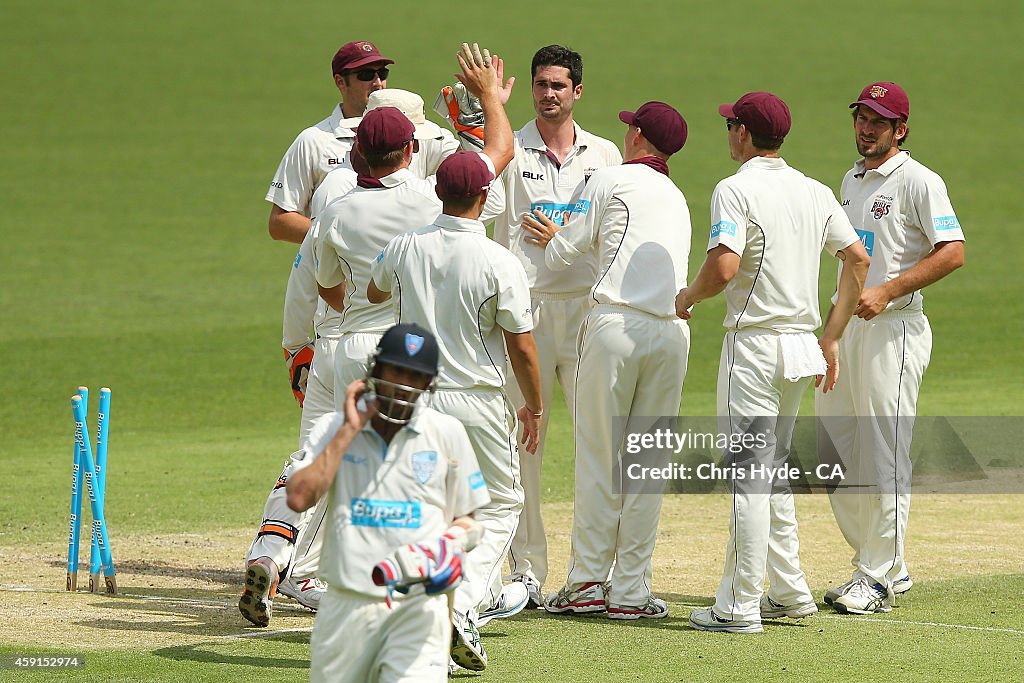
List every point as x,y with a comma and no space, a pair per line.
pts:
729,123
368,74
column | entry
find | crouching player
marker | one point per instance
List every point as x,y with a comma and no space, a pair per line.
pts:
403,484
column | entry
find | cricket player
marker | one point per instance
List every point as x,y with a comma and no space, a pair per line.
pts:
903,215
388,202
397,473
553,159
473,295
633,353
359,70
769,224
285,554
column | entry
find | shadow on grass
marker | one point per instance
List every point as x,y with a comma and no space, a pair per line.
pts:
151,568
197,620
197,653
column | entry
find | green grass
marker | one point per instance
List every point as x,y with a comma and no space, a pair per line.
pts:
138,141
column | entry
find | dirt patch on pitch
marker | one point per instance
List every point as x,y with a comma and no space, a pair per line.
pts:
183,589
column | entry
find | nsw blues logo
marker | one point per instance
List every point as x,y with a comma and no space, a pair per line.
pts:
413,343
423,465
880,209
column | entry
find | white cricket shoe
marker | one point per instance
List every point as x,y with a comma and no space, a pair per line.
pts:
257,601
512,601
536,600
656,608
706,620
901,586
306,592
864,597
588,598
467,650
775,610
832,593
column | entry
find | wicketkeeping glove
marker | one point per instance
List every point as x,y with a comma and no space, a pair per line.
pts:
437,566
298,369
463,111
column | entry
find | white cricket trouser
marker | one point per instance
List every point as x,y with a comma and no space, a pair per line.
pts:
361,639
631,364
867,424
294,539
755,398
491,427
557,320
352,361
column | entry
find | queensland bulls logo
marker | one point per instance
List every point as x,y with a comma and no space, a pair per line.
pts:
880,208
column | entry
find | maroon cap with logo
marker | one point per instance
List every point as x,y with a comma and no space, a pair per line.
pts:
660,123
886,99
351,56
463,175
384,129
762,113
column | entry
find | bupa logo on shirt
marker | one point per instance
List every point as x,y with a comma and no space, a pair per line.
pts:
423,465
560,213
298,260
476,481
723,228
867,238
945,223
389,514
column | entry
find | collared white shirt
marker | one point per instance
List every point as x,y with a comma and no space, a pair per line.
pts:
901,212
778,220
385,496
534,179
303,307
638,224
354,229
321,148
463,287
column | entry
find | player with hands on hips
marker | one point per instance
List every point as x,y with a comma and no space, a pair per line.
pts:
769,225
405,485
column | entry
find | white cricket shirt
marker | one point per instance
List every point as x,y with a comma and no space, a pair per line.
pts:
534,179
385,496
463,287
901,211
778,220
319,149
355,228
637,222
303,307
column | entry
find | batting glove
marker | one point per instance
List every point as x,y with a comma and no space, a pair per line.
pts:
464,112
437,566
298,369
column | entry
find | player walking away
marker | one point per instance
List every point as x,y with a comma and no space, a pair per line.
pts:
554,157
769,224
473,295
633,353
359,70
398,473
904,217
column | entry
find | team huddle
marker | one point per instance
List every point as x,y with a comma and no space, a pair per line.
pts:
424,353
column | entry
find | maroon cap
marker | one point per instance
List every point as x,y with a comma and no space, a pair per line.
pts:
886,99
384,129
762,113
351,56
660,123
463,175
